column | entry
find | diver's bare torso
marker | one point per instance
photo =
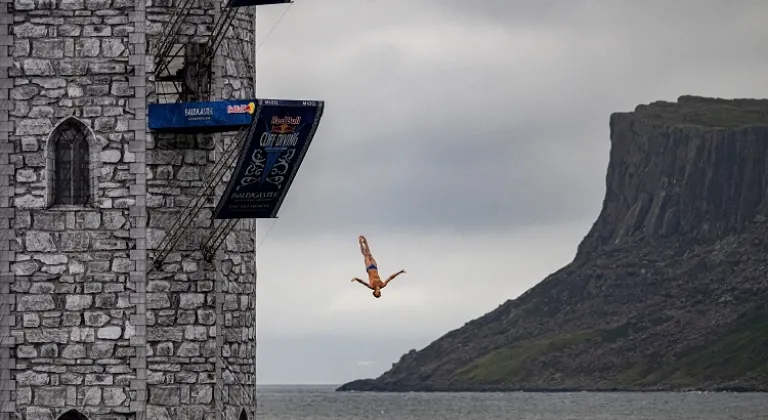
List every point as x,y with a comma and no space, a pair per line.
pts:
374,281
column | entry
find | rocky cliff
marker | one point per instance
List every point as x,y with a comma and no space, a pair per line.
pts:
666,292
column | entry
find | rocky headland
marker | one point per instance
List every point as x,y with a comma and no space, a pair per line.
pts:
667,291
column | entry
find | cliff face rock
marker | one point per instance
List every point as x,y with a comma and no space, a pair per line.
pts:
668,290
691,170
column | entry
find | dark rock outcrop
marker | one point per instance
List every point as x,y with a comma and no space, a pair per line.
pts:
668,290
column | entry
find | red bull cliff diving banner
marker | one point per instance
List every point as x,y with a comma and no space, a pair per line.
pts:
201,117
278,139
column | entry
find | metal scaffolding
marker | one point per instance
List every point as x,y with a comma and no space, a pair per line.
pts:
193,82
193,207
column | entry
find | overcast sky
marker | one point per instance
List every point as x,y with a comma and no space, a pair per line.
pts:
468,140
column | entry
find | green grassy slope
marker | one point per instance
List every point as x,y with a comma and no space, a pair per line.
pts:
741,350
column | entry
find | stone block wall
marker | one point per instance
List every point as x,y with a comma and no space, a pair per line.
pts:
236,306
238,56
236,265
137,214
7,233
191,304
181,322
94,327
73,264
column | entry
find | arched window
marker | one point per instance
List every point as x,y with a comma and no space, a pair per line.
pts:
72,415
69,155
243,415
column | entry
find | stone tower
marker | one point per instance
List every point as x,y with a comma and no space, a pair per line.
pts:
89,327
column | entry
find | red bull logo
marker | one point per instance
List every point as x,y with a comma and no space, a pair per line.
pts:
283,129
284,125
241,109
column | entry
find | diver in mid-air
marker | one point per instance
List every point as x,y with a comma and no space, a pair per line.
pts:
374,281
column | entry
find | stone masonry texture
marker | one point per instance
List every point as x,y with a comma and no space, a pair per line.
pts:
7,233
87,323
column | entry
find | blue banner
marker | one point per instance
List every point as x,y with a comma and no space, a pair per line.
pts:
201,117
277,141
244,3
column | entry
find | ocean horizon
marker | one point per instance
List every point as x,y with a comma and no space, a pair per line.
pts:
334,386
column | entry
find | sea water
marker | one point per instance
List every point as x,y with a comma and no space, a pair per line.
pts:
322,403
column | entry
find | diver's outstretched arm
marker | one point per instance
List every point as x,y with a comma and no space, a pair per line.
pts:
392,277
362,282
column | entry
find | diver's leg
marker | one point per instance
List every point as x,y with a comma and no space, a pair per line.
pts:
361,241
364,248
370,262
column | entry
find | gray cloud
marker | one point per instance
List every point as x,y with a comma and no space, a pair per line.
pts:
438,119
469,139
334,359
